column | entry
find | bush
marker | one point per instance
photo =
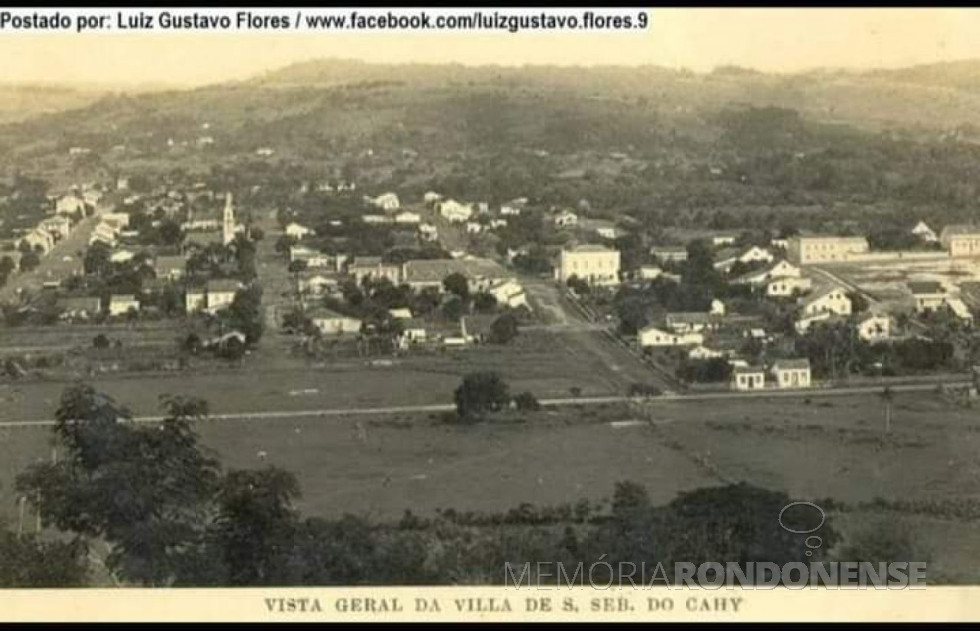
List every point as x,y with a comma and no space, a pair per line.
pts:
527,401
100,341
643,390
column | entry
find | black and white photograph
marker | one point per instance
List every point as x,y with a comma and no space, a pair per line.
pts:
568,314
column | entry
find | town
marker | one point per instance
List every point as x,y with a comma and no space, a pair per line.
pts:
353,323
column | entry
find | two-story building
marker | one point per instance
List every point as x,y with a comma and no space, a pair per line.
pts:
595,264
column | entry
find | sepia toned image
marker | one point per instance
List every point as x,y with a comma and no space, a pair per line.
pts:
480,314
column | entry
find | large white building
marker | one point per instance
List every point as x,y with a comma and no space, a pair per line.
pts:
595,264
961,240
804,250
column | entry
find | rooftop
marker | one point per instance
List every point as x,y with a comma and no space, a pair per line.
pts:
923,287
791,364
223,285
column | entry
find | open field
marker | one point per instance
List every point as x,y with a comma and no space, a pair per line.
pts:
886,280
822,449
540,363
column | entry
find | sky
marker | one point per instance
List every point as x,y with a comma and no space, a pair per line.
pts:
772,40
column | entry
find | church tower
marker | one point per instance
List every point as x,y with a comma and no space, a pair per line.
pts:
228,223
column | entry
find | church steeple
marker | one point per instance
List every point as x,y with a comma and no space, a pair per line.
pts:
228,222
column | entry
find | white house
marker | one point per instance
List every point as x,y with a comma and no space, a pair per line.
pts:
428,232
332,323
924,232
565,219
121,304
703,352
692,321
316,284
759,277
313,258
803,323
298,231
874,327
386,201
454,211
221,293
474,227
595,264
717,307
121,256
786,286
195,300
960,310
508,292
652,336
408,217
431,197
928,295
649,272
791,373
831,299
38,239
728,257
69,205
748,378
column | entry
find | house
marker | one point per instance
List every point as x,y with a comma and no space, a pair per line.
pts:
669,253
400,314
960,310
377,219
298,231
692,322
474,227
428,232
924,232
831,299
312,258
961,240
79,307
927,295
508,292
37,240
431,197
717,307
874,327
104,233
703,352
748,378
386,201
791,373
332,323
170,267
121,256
595,264
480,273
654,336
803,323
759,277
316,283
121,304
728,257
413,332
58,227
649,272
116,220
787,286
408,217
498,222
454,211
195,300
804,250
565,219
221,293
69,205
723,239
373,266
510,209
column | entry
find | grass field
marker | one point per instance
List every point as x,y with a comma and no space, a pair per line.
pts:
827,449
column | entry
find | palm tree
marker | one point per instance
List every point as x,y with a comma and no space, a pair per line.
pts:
887,396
